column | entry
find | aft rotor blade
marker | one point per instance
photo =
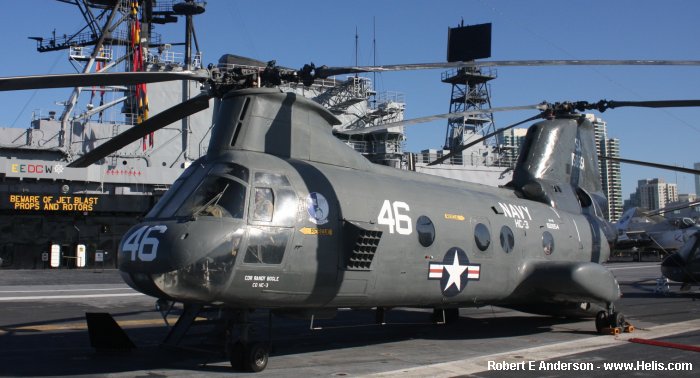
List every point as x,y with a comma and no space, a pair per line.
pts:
95,79
487,136
324,72
604,104
668,209
436,117
653,165
160,120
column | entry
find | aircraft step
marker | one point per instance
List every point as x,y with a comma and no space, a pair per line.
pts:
201,328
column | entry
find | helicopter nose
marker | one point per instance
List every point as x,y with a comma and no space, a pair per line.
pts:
180,260
673,268
159,247
160,258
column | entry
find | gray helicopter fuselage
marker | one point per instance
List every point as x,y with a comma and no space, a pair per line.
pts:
260,222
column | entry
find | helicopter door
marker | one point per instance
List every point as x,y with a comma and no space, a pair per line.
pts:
271,216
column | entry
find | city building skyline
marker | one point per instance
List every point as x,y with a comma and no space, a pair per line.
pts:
511,142
610,174
653,194
697,180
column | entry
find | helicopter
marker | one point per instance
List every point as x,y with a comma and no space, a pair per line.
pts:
271,217
649,230
684,265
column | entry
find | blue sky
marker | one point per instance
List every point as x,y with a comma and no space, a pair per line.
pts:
323,32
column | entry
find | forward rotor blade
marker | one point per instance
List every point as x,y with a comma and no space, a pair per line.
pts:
487,136
160,120
96,79
436,117
653,165
324,72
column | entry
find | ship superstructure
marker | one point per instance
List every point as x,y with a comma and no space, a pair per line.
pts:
55,216
48,210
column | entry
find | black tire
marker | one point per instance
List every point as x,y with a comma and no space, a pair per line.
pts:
257,357
601,321
236,355
617,320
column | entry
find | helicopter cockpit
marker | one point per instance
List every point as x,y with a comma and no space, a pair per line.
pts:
187,244
217,192
689,251
682,223
682,265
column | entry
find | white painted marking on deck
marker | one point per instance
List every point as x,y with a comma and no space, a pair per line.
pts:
632,267
541,353
60,290
74,296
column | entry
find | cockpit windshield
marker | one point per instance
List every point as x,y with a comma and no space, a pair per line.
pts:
690,249
217,191
217,196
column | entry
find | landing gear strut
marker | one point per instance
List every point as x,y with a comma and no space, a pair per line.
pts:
611,322
244,354
445,315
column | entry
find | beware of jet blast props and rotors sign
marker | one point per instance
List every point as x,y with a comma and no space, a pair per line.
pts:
271,218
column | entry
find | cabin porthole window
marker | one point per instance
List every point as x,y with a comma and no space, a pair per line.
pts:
547,243
507,239
482,237
425,230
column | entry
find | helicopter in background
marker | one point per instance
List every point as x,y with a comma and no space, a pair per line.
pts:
271,217
684,265
649,230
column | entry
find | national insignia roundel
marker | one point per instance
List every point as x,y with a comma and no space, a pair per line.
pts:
454,272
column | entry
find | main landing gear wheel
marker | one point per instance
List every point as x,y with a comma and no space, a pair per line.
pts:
245,354
612,323
251,358
256,357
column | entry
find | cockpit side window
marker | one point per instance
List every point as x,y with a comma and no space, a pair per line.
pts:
266,245
264,205
273,200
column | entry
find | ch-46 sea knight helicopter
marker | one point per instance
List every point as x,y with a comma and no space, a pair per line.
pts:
272,217
684,265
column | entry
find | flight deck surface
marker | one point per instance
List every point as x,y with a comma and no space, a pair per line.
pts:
43,333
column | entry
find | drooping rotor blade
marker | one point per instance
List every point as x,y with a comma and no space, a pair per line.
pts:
487,136
324,72
436,117
96,79
604,105
160,120
601,106
653,165
668,209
